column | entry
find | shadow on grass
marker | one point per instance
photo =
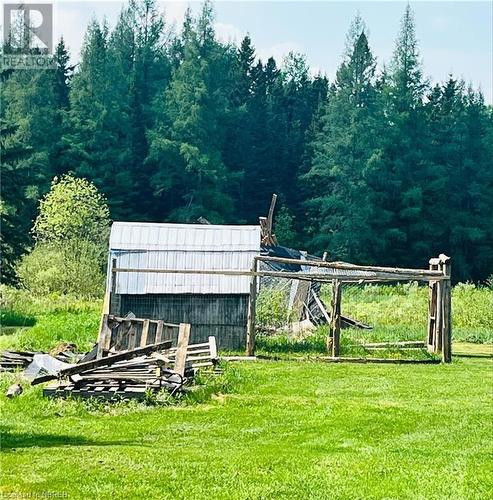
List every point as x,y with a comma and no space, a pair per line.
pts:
11,441
9,318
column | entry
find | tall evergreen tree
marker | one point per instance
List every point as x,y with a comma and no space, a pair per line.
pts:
342,147
187,141
403,177
100,131
16,208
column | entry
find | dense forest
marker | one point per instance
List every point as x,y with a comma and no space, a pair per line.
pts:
377,166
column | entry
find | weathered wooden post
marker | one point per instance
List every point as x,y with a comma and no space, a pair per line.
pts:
335,317
104,337
446,332
252,301
181,348
432,309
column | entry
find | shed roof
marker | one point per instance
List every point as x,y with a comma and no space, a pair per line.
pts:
142,245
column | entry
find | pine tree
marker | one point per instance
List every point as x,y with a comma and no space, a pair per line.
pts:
99,135
16,207
343,143
63,74
404,178
186,143
239,143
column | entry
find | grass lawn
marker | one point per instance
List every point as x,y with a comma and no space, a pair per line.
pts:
286,429
290,430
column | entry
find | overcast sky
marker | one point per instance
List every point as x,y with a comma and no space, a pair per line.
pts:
454,37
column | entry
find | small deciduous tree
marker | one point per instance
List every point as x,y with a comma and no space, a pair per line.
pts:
72,209
71,233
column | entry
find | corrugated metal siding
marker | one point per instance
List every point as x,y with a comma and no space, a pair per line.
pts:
180,237
182,246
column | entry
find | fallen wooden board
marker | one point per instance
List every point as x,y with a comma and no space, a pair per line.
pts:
96,363
238,358
418,344
331,359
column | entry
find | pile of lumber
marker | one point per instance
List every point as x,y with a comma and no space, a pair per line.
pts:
11,361
133,373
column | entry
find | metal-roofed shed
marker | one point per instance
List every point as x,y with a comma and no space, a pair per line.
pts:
212,304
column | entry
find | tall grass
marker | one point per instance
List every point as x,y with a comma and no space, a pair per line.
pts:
53,319
395,312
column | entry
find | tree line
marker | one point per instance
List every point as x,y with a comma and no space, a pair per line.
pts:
377,166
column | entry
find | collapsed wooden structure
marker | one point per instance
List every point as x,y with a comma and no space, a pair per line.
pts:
116,368
304,270
340,273
439,336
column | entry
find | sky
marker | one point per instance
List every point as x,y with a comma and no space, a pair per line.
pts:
454,37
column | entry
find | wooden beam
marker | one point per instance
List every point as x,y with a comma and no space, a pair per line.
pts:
252,302
270,216
402,361
321,306
432,311
109,360
352,267
181,349
335,318
446,310
145,333
213,347
323,277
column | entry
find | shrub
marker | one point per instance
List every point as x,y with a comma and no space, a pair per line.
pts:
272,310
72,210
71,267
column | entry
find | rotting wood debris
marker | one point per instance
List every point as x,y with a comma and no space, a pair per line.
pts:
128,374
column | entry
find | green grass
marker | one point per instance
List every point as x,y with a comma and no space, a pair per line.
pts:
54,319
290,430
266,429
400,312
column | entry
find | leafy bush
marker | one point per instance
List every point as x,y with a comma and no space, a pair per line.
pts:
72,210
272,308
71,267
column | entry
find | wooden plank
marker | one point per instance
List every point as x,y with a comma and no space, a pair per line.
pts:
338,359
181,350
335,323
252,304
213,347
385,345
321,306
103,333
270,216
239,358
145,333
159,331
